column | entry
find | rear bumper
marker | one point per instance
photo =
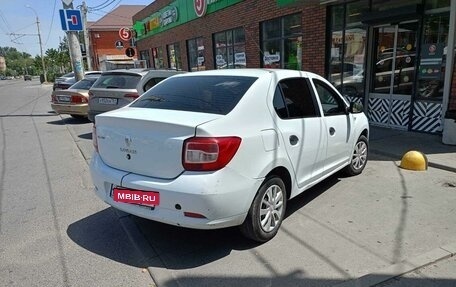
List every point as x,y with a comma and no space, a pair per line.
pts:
81,109
223,197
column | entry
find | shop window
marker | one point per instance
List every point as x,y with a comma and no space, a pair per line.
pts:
174,57
347,49
230,49
157,55
144,55
431,70
282,42
195,48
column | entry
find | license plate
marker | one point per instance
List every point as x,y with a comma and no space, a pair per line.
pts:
64,99
107,101
134,196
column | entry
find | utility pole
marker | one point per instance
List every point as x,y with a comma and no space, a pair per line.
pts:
73,46
86,36
43,66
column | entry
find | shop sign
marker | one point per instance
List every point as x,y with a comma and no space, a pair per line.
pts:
219,60
271,58
200,61
431,61
239,59
200,6
153,23
168,16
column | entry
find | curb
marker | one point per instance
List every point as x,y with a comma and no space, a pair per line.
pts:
401,268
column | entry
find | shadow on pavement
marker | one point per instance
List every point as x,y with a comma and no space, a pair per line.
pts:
102,234
183,248
86,136
70,121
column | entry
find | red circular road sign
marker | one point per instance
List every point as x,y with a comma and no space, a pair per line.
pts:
200,7
125,33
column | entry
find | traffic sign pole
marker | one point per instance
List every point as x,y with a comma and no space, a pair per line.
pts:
75,49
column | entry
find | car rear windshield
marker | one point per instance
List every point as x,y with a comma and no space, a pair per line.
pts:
207,94
84,84
117,81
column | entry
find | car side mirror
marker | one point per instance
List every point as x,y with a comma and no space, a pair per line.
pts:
356,108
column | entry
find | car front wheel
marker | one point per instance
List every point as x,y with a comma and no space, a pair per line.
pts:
267,211
359,157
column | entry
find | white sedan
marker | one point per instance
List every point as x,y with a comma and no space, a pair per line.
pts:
222,148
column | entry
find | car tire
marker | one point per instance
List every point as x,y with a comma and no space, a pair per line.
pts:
267,211
359,157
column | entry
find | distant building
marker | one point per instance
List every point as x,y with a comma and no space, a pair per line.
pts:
104,37
2,64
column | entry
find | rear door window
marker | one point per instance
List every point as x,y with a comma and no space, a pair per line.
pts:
207,94
117,81
292,99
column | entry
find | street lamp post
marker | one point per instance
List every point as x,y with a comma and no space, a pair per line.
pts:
41,45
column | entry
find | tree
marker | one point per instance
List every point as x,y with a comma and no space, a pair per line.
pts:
16,62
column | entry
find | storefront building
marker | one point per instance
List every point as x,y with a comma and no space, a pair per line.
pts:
391,55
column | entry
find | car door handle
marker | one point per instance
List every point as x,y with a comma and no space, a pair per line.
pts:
294,140
332,131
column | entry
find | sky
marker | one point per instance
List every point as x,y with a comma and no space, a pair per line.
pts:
17,19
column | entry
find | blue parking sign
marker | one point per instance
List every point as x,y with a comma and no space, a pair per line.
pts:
71,20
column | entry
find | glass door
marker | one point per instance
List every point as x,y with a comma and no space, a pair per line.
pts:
393,74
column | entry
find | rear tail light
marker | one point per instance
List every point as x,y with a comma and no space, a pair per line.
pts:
209,154
132,96
53,98
78,99
94,137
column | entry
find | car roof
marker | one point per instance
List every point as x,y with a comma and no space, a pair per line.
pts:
248,72
126,71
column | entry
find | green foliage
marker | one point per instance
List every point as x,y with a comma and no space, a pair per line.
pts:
20,63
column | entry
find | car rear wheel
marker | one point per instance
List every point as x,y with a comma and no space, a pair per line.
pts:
359,157
267,211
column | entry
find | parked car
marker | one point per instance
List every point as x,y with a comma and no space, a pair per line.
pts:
27,78
75,100
222,148
67,80
117,88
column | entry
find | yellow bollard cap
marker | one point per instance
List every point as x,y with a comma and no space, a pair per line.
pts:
414,160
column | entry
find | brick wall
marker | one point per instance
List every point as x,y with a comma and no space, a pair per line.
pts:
248,14
105,45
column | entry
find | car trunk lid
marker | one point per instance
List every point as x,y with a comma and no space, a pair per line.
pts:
147,141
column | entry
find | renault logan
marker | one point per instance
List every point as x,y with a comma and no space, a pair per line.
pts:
222,148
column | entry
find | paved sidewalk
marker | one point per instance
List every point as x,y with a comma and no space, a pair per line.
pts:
436,268
395,143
